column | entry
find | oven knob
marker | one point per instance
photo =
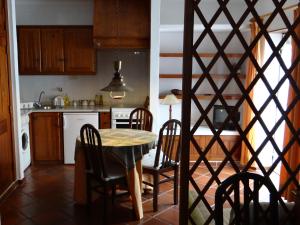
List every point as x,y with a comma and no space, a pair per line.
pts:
121,115
116,115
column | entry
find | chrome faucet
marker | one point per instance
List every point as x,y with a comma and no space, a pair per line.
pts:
38,104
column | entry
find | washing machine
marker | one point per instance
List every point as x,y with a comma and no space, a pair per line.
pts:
25,145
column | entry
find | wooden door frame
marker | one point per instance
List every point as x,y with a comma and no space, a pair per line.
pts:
10,86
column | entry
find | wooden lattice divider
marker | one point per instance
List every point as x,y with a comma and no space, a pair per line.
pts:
193,9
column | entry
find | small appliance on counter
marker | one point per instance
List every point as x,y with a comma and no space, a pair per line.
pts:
58,101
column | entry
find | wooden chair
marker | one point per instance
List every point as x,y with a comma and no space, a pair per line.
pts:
141,119
246,208
103,173
164,158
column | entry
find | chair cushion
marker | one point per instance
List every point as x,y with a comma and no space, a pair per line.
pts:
200,214
148,159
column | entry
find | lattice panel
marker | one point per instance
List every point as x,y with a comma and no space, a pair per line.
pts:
195,11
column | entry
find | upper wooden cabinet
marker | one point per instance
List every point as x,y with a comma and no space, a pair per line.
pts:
52,50
55,50
80,55
122,24
29,40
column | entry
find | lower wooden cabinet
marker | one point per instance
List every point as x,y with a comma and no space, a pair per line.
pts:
46,136
105,120
215,153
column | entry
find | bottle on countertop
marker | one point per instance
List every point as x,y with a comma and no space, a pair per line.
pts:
66,100
98,99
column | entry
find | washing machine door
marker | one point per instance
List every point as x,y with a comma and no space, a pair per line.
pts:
25,141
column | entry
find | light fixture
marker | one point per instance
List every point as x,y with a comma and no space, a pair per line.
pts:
117,85
170,100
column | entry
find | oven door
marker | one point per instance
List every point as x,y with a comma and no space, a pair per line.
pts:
120,123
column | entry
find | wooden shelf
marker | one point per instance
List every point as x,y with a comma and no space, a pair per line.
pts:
210,96
214,76
204,55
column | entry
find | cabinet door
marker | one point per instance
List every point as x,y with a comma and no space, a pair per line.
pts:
52,43
134,23
105,120
122,24
105,23
7,171
29,42
46,136
80,55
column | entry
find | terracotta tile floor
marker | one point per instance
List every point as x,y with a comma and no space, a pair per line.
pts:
46,198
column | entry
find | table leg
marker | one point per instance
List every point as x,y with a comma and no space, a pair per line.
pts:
134,183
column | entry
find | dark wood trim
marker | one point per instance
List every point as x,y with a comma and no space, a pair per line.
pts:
186,110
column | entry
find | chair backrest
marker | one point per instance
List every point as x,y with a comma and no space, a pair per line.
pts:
246,208
169,134
141,119
91,141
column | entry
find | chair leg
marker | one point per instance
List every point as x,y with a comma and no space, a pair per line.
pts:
155,190
176,186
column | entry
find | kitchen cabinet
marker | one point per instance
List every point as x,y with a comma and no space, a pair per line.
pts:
105,120
215,153
29,44
7,161
55,50
122,24
46,136
80,55
52,50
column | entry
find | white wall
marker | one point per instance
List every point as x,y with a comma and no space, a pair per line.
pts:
135,68
173,42
59,12
154,63
173,10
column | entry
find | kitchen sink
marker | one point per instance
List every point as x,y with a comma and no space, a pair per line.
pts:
47,107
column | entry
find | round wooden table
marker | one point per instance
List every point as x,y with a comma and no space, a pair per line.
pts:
128,145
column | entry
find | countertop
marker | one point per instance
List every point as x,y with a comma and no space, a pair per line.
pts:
69,109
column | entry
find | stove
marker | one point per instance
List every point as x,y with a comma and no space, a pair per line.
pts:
120,116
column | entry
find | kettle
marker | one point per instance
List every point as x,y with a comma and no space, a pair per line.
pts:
58,101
